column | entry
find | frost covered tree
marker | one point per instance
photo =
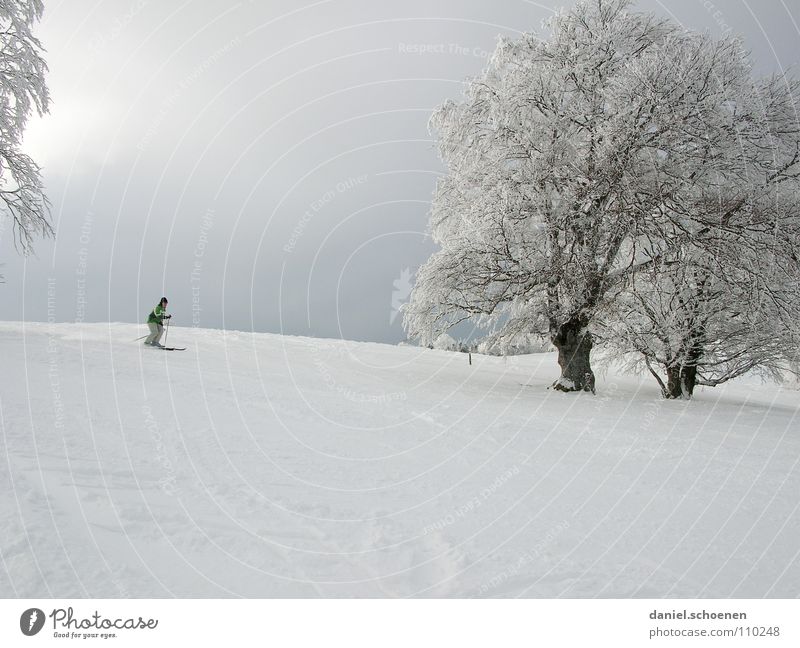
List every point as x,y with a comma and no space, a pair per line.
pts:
725,299
575,163
22,90
705,316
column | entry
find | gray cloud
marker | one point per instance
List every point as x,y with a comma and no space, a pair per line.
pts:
265,165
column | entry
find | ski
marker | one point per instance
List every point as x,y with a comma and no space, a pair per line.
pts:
173,348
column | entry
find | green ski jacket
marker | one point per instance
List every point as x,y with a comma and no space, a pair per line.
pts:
157,315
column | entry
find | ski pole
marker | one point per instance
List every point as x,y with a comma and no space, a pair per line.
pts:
141,338
167,333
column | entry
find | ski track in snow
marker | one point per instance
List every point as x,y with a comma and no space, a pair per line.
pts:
260,465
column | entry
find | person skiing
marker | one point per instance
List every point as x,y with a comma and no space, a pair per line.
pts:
155,322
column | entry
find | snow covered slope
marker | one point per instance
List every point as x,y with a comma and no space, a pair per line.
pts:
261,465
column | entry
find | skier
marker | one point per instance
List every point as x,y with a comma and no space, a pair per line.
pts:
155,322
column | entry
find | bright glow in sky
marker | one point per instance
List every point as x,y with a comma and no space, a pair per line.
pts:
267,165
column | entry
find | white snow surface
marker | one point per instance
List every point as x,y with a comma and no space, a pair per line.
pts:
261,465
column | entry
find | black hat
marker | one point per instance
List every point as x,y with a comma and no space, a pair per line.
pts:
164,299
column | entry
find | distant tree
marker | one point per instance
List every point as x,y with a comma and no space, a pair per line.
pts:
445,343
506,344
574,164
22,90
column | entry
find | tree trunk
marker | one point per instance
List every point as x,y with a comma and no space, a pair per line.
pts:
681,381
673,387
688,380
574,344
682,376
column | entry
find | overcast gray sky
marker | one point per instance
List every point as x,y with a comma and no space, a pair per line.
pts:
266,165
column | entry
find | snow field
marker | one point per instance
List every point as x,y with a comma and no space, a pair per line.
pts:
261,465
